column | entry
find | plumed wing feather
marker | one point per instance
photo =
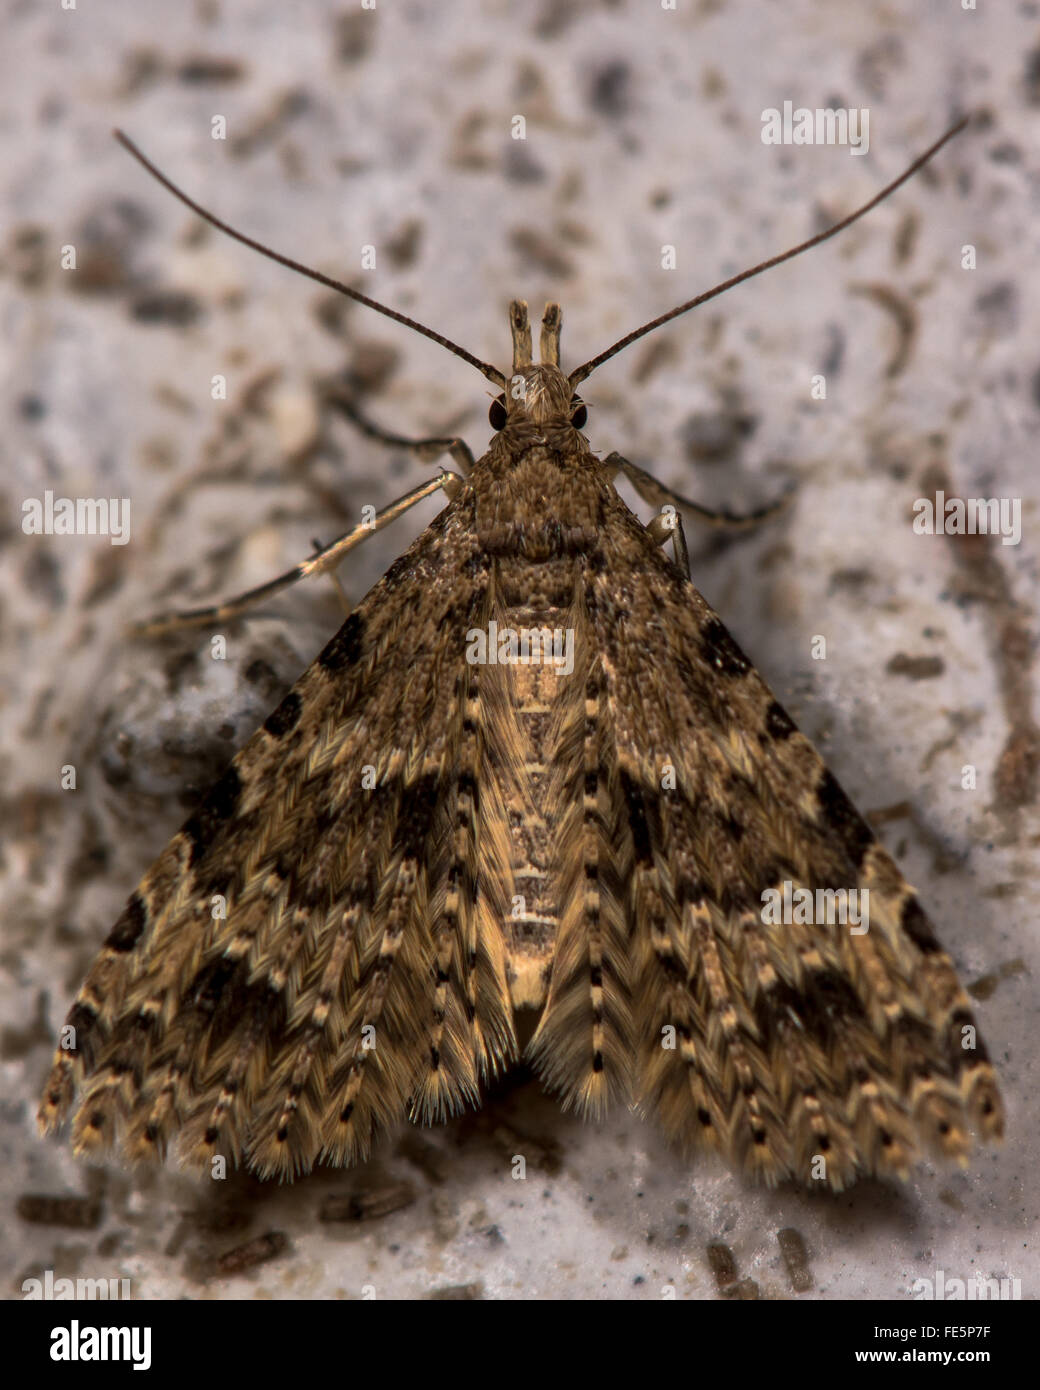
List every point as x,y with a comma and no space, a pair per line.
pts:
775,1044
307,962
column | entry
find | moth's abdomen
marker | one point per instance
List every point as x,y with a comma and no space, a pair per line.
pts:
527,684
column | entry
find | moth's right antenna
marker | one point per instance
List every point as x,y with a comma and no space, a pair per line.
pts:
492,373
579,375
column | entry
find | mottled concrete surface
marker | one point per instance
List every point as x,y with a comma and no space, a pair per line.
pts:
392,128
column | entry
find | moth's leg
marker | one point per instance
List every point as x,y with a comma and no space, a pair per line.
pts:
337,583
654,492
424,449
669,523
327,558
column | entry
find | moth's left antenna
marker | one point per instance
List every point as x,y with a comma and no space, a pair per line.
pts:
492,373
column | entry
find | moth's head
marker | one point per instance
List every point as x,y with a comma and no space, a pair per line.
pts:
537,391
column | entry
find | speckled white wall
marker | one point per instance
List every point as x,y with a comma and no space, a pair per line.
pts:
391,127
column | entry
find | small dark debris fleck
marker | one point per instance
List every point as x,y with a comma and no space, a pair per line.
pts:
353,36
430,1160
709,436
367,1203
796,1259
610,93
451,1293
253,1253
915,668
201,69
263,676
744,1292
77,1213
722,1264
166,306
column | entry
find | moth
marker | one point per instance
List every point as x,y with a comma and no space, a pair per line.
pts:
532,777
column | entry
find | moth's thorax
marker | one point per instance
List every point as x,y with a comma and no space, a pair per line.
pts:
540,493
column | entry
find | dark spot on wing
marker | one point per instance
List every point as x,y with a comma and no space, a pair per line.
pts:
720,651
732,828
83,1018
285,718
820,1006
637,820
689,890
211,982
258,1009
779,724
219,807
418,803
469,786
918,928
345,648
124,935
838,815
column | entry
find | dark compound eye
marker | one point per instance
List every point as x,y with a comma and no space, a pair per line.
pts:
497,413
578,414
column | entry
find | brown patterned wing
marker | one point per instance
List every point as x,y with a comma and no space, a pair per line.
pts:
307,962
778,1044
